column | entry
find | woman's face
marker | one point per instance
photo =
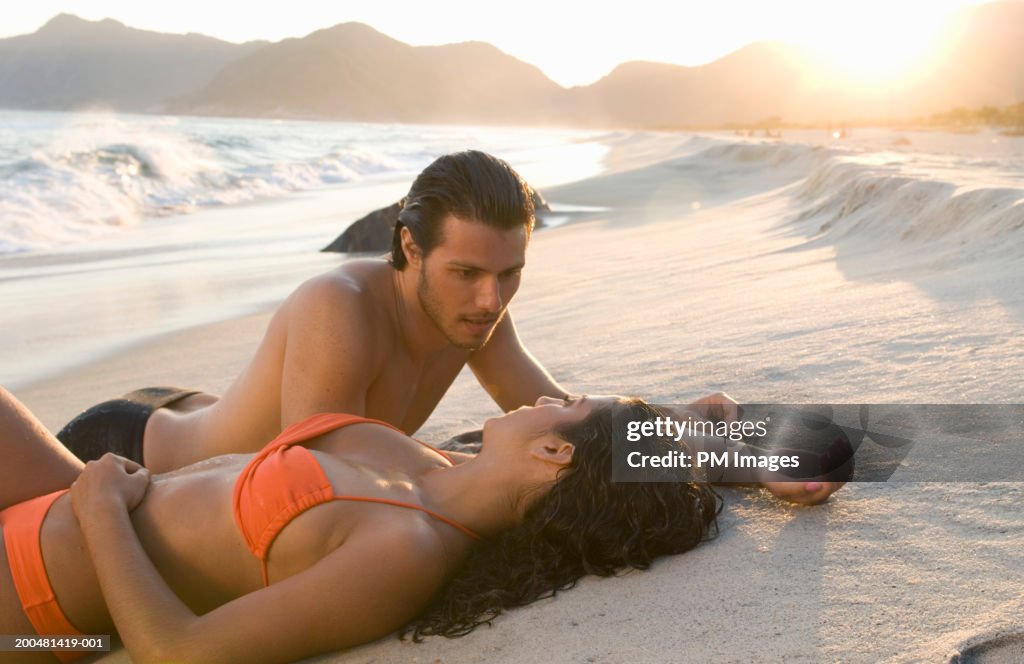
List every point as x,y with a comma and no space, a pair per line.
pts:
545,416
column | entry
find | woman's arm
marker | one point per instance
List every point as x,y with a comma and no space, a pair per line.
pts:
374,583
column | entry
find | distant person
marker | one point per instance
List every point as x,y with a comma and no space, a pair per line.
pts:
377,338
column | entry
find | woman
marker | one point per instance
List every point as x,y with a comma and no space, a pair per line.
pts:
340,531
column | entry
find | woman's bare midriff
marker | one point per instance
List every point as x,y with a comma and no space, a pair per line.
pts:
186,526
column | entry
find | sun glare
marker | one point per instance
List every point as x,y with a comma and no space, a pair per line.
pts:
871,51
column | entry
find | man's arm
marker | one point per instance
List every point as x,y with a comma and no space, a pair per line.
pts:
331,354
510,374
716,407
721,407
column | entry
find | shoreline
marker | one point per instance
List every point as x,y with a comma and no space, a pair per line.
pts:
943,124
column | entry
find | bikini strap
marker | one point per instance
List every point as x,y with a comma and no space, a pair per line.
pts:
322,423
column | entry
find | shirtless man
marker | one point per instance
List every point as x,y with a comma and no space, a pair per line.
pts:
377,338
383,339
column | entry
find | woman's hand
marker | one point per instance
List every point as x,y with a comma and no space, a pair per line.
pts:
803,493
112,480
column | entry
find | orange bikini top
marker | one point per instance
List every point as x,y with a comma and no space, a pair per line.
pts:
285,479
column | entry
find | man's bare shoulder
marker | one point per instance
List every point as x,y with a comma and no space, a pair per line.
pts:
349,306
331,340
360,287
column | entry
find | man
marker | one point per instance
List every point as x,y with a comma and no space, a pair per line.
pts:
383,339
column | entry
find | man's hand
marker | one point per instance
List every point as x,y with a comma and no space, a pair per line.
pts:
717,407
111,480
803,493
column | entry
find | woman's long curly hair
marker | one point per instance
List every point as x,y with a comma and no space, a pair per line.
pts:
585,524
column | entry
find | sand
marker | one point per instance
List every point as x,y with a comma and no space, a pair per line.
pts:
660,297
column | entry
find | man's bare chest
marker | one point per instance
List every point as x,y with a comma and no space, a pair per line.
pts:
405,394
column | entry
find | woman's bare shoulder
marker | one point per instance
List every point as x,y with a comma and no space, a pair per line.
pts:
421,537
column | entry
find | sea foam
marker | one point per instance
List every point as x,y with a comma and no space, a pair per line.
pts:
91,178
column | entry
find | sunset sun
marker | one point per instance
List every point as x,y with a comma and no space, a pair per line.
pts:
866,49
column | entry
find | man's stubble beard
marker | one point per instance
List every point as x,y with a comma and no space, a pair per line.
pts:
431,307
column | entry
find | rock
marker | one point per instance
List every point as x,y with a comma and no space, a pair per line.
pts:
540,206
373,232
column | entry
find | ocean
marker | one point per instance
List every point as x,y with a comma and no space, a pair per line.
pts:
67,179
117,228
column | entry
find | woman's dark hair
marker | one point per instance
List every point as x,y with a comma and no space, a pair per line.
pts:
585,524
471,185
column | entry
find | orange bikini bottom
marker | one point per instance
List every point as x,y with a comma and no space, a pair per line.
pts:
21,525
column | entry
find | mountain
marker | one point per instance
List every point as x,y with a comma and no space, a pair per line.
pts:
979,64
352,71
71,63
757,81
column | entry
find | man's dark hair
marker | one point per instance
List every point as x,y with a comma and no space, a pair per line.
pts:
470,185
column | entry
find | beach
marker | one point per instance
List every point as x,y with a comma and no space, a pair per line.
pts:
881,270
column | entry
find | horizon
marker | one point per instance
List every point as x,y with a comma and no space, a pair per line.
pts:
872,45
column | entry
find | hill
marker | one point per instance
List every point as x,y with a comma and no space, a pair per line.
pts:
71,63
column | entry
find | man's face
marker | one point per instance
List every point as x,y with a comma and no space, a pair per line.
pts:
467,281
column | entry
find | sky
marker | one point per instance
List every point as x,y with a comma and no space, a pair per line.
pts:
574,43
